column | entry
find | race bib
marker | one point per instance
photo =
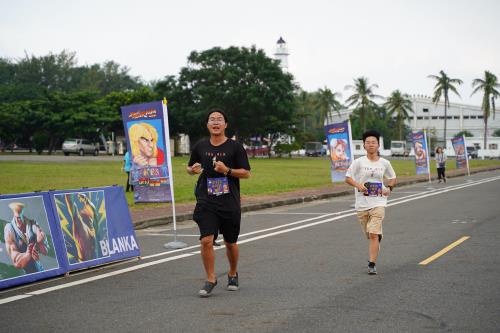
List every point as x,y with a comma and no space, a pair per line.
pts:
374,189
217,186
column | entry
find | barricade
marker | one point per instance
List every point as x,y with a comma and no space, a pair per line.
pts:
45,234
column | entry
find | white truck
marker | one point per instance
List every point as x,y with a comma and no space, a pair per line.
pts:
400,148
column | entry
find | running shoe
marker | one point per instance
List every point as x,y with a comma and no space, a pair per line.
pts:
372,270
207,288
232,282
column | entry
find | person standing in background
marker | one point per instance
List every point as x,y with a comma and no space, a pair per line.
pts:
440,164
127,165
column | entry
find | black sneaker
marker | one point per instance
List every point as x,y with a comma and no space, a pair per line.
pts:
207,289
372,270
232,282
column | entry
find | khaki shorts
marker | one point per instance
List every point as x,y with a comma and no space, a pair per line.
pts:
371,220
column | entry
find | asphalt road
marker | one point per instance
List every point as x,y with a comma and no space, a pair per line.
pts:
302,269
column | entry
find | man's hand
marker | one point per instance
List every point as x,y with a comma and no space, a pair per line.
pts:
196,168
220,167
362,188
386,191
32,252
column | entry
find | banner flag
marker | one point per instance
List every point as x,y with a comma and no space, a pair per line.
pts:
146,130
462,160
339,139
421,153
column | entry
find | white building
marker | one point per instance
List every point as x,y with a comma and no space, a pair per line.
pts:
430,116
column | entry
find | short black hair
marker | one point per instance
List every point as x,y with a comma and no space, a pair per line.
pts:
216,110
371,133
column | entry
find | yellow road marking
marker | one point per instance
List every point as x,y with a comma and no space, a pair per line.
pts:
443,251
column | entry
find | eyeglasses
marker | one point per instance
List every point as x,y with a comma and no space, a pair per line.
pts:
216,120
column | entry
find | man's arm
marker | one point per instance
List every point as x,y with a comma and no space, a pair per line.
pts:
40,239
356,185
237,173
20,260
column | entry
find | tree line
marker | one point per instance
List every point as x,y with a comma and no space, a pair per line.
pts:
45,99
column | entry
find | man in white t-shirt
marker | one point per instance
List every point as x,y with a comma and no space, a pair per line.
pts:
367,175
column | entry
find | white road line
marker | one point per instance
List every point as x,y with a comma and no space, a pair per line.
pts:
190,254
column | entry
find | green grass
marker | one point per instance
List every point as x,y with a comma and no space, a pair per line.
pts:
269,176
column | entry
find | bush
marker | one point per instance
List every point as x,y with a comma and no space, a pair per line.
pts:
40,141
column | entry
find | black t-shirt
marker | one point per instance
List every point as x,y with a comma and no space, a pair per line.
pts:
234,156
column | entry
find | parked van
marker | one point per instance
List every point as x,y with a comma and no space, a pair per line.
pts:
315,149
400,148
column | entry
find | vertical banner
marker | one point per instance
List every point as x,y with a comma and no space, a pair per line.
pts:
462,160
146,130
29,244
339,139
421,152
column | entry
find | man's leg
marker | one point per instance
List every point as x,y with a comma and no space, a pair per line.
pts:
208,257
374,247
233,253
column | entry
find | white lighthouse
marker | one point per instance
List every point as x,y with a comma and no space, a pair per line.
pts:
281,54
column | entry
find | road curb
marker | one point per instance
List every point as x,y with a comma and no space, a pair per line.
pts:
168,219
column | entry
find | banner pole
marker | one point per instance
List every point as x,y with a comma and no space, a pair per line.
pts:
466,155
175,244
427,144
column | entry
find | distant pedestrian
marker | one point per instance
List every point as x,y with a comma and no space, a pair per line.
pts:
127,165
220,162
440,164
367,175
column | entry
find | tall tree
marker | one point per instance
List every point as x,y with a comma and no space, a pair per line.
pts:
326,102
444,84
400,105
248,85
362,98
489,86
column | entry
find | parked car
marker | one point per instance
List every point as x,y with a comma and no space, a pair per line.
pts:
80,147
315,149
472,152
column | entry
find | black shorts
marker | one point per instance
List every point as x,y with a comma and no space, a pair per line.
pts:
213,222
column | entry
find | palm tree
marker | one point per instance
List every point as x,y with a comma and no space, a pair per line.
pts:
326,101
363,98
443,85
400,105
489,86
303,100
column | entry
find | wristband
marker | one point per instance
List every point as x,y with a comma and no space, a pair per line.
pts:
390,187
228,172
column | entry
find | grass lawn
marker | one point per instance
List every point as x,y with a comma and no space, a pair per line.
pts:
268,175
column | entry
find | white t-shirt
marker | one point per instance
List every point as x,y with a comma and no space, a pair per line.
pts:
362,170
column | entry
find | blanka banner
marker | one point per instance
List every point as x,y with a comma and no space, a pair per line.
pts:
421,152
460,152
146,129
339,139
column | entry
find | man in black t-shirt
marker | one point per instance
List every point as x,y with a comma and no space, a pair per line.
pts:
220,162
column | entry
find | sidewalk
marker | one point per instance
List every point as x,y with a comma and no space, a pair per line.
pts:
143,218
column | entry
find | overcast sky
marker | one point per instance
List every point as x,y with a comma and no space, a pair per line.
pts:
396,44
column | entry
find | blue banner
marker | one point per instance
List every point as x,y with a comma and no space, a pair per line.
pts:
96,226
338,137
50,233
458,144
146,130
421,152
